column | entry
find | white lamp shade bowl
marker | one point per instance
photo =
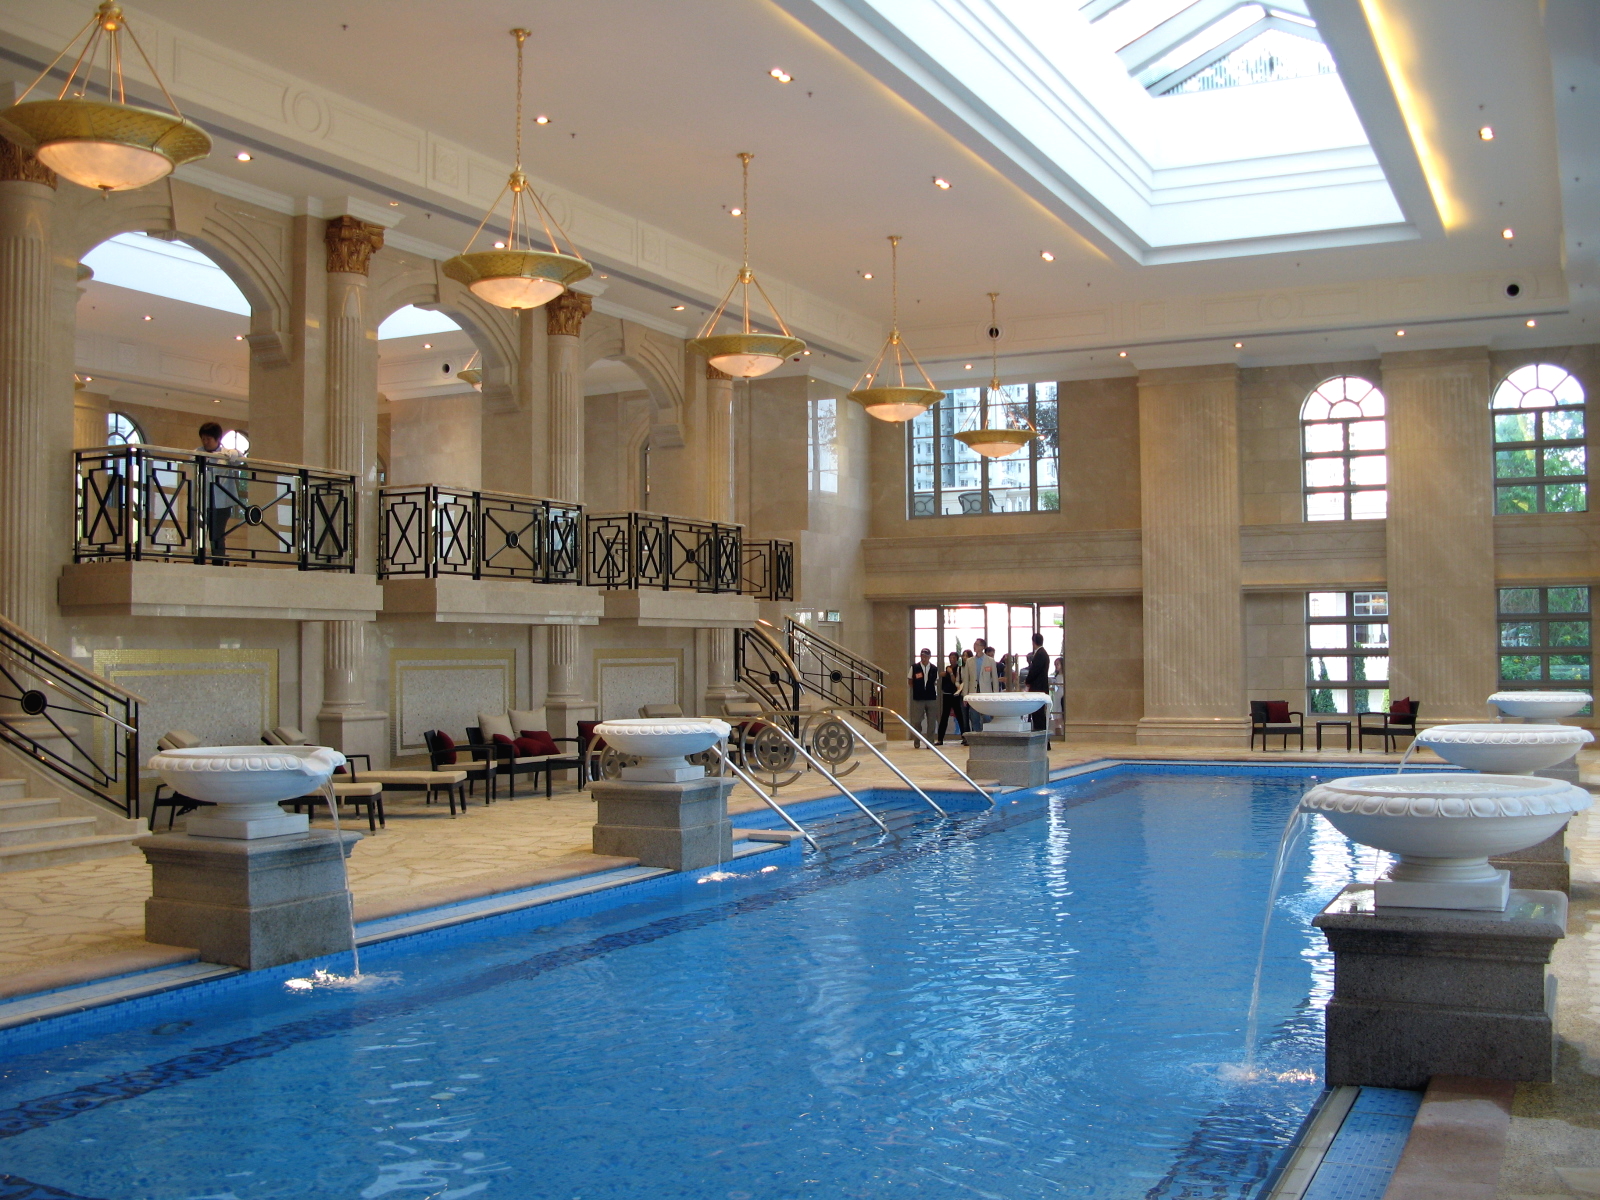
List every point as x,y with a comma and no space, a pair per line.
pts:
1505,749
516,291
245,784
662,744
1009,710
745,366
106,166
1540,706
1445,827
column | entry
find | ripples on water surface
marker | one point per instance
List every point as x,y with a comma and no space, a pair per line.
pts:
1044,1001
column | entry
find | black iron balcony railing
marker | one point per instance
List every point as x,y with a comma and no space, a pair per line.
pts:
154,502
431,531
637,550
768,572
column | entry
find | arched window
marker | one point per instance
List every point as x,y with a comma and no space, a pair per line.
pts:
1540,460
236,441
1343,437
122,430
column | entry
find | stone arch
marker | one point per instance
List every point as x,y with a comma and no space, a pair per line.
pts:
656,358
420,283
251,245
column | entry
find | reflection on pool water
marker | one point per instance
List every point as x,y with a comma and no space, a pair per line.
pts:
1043,1000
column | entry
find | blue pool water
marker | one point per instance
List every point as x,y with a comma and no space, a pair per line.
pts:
1047,999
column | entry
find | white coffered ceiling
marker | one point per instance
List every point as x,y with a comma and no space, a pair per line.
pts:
648,100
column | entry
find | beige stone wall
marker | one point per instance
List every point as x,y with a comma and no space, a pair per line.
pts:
1275,647
437,440
1104,667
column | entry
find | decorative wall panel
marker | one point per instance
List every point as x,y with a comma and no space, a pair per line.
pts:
227,697
626,680
446,689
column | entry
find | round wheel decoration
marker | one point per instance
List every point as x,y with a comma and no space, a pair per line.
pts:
832,741
768,751
252,515
709,759
34,702
511,538
612,761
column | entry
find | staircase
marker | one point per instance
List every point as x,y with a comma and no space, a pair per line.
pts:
35,833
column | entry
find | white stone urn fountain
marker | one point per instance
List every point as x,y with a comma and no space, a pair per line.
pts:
1445,827
1540,707
246,783
1505,749
1009,710
662,745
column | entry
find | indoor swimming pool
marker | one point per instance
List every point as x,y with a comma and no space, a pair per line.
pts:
1045,999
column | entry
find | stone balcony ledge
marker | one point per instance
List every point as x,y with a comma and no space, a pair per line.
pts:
165,589
681,610
450,599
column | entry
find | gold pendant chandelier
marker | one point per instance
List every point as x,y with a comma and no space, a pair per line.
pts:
746,354
995,443
108,144
515,274
895,400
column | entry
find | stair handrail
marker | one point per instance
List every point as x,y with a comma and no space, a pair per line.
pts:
917,733
755,785
826,774
844,662
768,637
98,696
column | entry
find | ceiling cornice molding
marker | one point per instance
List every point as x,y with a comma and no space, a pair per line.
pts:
210,79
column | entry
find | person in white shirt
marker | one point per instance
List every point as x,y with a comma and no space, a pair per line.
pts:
984,677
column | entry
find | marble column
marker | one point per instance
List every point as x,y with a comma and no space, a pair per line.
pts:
27,387
1193,616
718,450
1442,631
564,315
347,721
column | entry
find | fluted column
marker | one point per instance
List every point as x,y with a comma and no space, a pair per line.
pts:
1442,632
347,722
564,315
719,506
27,386
1193,616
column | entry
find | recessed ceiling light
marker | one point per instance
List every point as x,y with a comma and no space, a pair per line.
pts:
427,345
394,204
541,119
88,378
1487,133
967,367
942,184
805,352
1508,234
148,317
238,337
781,75
736,212
678,308
1532,324
243,156
216,402
1399,333
499,245
1047,256
1238,345
605,277
866,275
1122,354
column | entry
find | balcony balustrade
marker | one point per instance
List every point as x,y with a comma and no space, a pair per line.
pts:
156,503
641,551
768,571
429,531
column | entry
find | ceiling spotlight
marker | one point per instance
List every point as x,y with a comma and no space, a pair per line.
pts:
394,204
499,245
243,156
541,119
677,308
1508,234
967,367
1047,256
88,378
1238,345
427,345
1399,333
736,212
803,352
942,184
781,75
148,317
238,337
867,275
1122,354
1532,324
605,277
1486,133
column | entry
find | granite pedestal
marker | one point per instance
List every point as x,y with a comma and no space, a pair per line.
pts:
1015,759
1546,867
1419,992
251,904
681,826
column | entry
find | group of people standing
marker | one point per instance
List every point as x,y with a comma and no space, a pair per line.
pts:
939,693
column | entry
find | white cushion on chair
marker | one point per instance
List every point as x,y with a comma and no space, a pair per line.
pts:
490,724
179,739
531,719
284,735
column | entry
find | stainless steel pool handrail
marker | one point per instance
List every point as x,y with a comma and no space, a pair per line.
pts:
916,733
826,774
906,779
754,785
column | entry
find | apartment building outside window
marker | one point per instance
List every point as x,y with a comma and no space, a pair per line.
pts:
949,480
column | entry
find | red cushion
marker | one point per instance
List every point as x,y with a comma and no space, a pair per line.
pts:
586,737
537,741
501,739
1401,707
1277,712
447,753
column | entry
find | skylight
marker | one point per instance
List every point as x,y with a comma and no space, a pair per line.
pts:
1175,46
413,322
159,267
